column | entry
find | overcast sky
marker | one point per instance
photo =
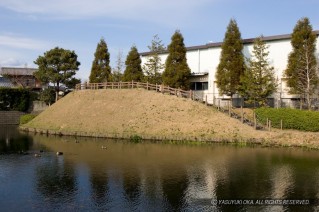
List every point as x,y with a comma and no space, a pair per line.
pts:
28,28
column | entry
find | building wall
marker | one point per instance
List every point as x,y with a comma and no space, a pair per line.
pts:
207,59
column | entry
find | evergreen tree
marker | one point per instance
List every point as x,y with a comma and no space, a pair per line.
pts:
154,66
72,82
258,81
232,63
117,72
133,70
177,72
57,66
101,70
302,71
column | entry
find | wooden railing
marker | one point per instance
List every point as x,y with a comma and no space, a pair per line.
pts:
130,85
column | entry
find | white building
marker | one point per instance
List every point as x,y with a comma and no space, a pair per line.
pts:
203,61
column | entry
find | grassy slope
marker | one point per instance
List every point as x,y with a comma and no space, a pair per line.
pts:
149,113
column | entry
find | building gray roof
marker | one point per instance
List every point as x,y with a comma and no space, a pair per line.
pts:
17,71
245,41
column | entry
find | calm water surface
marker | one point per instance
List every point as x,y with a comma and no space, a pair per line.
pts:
149,176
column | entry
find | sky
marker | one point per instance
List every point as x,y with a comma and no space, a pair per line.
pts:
29,28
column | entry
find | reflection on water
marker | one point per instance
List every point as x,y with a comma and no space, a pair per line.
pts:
13,142
148,176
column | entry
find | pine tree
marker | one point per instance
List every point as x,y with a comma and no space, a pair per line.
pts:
258,81
302,71
154,66
57,66
101,70
177,72
133,70
232,63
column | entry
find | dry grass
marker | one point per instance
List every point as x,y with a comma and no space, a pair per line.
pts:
140,112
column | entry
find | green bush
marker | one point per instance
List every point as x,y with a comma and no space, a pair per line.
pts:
48,96
26,118
291,118
136,138
15,99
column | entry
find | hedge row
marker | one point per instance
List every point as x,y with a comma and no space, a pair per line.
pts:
15,99
291,118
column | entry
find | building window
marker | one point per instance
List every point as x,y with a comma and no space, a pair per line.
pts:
199,86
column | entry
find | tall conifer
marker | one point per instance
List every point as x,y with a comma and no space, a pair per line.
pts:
101,70
154,66
232,63
117,72
133,70
258,81
177,72
302,70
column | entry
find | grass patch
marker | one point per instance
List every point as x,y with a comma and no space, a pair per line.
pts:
135,138
26,118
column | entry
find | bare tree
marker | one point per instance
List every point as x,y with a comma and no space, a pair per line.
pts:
302,71
117,71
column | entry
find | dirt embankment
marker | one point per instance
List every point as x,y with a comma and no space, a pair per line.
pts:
148,114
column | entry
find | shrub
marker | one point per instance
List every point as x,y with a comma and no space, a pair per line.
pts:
26,118
48,96
292,118
135,138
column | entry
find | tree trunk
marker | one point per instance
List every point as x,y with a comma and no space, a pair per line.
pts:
57,89
308,101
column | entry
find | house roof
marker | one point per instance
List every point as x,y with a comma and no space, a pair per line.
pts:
245,41
17,71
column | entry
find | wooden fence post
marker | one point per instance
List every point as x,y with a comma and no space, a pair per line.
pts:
147,85
132,83
229,113
269,125
218,104
255,121
281,124
206,99
156,87
190,94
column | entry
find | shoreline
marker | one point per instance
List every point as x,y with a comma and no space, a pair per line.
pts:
139,137
139,114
